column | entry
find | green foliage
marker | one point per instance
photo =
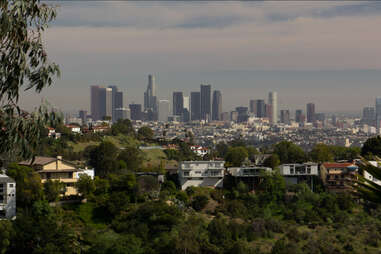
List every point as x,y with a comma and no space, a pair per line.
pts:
145,133
235,156
53,190
104,159
123,127
6,235
24,65
199,202
272,161
372,147
111,242
288,152
133,158
325,153
321,153
85,185
29,188
222,149
43,231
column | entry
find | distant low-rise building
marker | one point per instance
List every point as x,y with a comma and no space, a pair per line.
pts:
199,150
299,173
7,197
201,174
338,177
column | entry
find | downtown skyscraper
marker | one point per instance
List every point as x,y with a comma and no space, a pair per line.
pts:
205,101
104,102
178,103
310,113
273,102
195,106
217,105
150,99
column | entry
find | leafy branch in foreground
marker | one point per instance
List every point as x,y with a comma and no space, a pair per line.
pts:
23,64
367,189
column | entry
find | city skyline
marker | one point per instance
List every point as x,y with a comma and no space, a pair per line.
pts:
308,53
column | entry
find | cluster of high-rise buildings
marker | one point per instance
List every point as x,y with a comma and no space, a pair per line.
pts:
106,104
205,105
372,115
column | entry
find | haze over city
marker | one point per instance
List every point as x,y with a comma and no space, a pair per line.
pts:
322,52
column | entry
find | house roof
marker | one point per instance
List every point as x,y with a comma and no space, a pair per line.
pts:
42,160
338,165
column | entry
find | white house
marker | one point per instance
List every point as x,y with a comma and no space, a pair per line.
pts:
199,150
297,173
251,175
201,173
7,197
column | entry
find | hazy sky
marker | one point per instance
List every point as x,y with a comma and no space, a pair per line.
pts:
318,51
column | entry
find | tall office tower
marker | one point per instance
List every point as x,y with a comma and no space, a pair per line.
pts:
242,114
105,102
253,106
261,108
378,113
114,90
136,111
150,99
186,103
285,116
164,110
369,115
269,112
299,116
334,120
205,101
273,101
119,100
195,106
217,106
83,115
234,116
94,101
121,114
178,103
310,113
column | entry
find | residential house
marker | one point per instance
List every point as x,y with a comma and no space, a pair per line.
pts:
299,173
51,168
369,177
201,173
338,177
7,197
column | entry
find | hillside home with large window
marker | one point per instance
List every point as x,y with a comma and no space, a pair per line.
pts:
299,173
201,174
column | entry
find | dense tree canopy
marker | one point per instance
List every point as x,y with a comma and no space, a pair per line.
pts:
236,156
104,158
372,147
288,152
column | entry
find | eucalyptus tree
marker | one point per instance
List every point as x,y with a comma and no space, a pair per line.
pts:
24,65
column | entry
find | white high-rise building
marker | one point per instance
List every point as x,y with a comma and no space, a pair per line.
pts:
273,102
378,113
164,110
186,102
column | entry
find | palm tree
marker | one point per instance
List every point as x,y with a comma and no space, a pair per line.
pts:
367,188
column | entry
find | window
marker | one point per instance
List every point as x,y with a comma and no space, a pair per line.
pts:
186,173
291,170
309,170
11,185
